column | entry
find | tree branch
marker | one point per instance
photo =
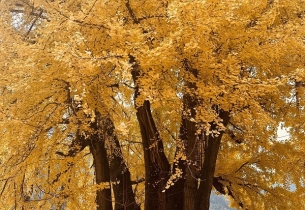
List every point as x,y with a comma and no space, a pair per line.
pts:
131,13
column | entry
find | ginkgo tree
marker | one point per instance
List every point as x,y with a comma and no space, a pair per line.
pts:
151,104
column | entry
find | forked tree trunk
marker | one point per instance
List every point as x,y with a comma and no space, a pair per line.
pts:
193,191
105,149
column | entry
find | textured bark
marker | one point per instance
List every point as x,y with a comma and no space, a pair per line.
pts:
101,165
209,164
103,197
190,187
199,177
190,138
156,164
193,191
157,167
175,194
119,172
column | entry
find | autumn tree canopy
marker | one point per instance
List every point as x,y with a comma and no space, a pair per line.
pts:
140,104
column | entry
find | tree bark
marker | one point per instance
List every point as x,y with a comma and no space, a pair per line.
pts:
119,172
157,167
209,164
199,177
156,164
175,194
189,136
105,148
190,187
101,165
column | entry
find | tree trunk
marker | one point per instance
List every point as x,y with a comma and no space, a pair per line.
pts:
176,193
156,164
119,172
192,192
103,196
190,187
190,137
199,177
101,165
157,167
209,164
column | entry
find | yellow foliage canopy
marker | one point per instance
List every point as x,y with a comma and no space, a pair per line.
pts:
159,81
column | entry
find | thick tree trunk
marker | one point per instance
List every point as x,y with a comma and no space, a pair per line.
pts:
157,167
156,164
190,187
119,172
198,185
190,137
209,164
101,165
192,192
199,177
175,193
103,196
102,175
